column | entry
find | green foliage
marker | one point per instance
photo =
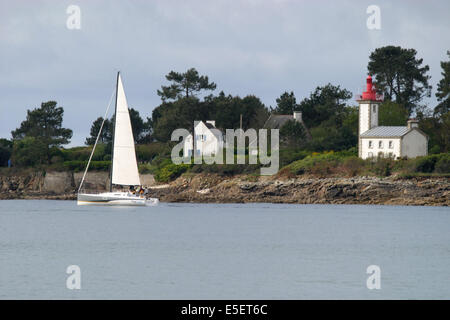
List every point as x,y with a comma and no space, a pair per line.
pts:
140,128
443,164
315,164
77,165
325,103
170,172
288,156
400,75
382,167
185,85
29,151
293,134
443,89
226,169
438,163
106,134
147,152
44,124
392,114
286,104
226,110
437,128
347,163
5,151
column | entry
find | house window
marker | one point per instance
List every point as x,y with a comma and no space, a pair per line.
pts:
391,155
201,137
391,144
380,144
380,154
370,144
374,108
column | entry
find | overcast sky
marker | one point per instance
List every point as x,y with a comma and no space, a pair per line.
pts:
260,47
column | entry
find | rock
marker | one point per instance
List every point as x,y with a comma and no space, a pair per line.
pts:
58,182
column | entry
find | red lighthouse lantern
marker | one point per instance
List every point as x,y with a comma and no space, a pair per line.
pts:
370,93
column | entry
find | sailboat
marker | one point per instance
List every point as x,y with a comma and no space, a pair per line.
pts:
124,169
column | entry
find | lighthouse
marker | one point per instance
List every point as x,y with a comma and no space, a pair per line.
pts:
394,142
368,110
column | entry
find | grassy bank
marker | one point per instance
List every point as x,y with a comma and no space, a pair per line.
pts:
155,158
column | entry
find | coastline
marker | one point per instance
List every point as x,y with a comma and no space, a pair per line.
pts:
213,188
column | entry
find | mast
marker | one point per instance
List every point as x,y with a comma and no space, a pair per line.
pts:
113,135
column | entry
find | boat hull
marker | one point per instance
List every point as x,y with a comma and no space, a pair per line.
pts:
114,199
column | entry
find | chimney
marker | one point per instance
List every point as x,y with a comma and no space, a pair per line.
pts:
211,122
413,123
298,116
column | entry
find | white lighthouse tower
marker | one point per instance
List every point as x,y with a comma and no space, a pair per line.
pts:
369,105
394,142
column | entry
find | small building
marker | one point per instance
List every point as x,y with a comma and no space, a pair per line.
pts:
276,121
386,141
208,140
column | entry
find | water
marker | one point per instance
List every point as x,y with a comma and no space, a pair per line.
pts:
232,251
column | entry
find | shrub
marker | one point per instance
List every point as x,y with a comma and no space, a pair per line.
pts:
29,151
426,164
316,164
353,165
170,172
77,166
382,167
287,156
443,164
148,152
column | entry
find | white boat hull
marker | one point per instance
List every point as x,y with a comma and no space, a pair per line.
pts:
114,199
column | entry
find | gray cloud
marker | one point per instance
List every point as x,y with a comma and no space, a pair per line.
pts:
247,47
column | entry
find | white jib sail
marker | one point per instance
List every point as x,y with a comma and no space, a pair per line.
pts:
125,170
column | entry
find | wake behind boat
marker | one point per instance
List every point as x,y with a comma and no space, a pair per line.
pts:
124,170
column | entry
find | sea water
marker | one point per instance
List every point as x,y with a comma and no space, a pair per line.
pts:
223,251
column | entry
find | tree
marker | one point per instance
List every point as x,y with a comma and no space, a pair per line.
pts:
392,114
44,124
184,85
443,89
286,104
324,104
400,76
106,134
293,134
138,127
29,151
5,151
437,130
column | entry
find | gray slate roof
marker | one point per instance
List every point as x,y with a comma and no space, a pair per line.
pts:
276,121
386,132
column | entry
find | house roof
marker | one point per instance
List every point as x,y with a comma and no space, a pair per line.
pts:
386,131
276,121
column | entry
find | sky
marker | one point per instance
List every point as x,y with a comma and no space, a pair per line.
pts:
259,47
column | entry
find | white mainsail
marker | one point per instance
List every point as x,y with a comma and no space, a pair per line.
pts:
124,164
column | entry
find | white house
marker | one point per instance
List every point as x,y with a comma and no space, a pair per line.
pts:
386,141
208,140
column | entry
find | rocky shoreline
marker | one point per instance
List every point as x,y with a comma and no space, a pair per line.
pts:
210,188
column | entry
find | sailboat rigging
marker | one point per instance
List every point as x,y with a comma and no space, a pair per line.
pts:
124,169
